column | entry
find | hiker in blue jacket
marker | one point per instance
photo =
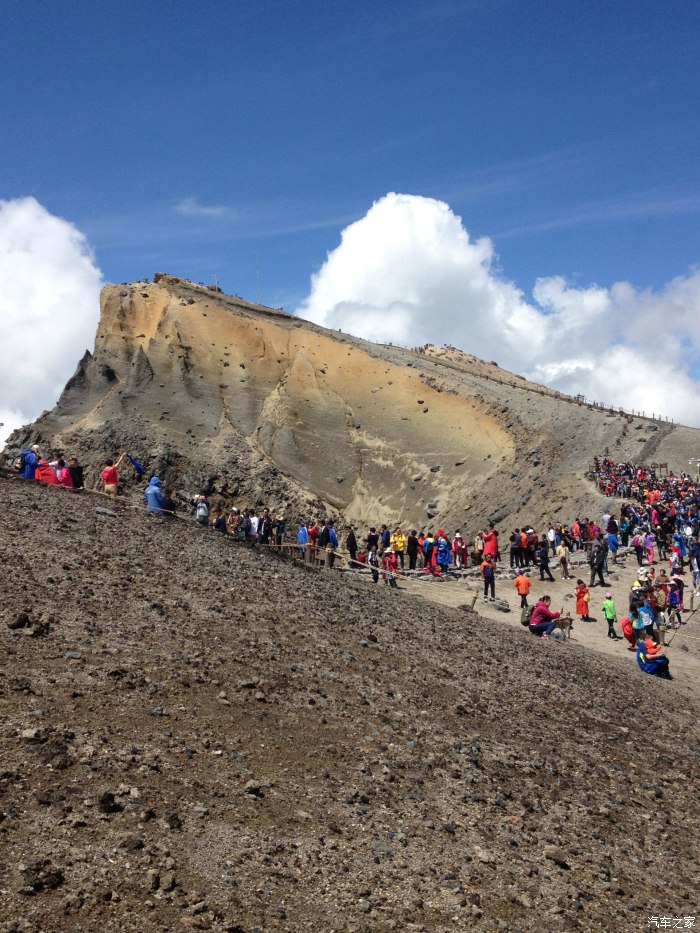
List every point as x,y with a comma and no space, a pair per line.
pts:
153,497
29,461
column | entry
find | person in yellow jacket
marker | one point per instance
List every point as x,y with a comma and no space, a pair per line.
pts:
398,544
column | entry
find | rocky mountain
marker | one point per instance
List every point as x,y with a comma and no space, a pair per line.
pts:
217,394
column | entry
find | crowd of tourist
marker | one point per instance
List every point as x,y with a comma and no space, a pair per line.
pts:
656,516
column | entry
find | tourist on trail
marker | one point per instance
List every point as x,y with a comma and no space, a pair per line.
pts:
45,473
628,632
649,544
63,474
488,575
397,543
169,506
351,546
412,548
384,538
76,473
610,613
265,527
373,562
639,623
252,526
459,550
638,545
389,567
596,562
332,546
490,539
303,539
443,557
563,558
279,530
515,551
583,598
429,553
542,558
110,477
674,605
201,511
372,540
543,620
153,497
28,461
522,584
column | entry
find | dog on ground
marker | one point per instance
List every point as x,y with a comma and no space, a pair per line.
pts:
565,624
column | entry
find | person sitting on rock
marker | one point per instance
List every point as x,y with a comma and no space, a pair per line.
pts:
652,659
543,620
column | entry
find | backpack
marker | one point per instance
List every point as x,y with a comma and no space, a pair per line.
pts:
427,547
202,513
526,615
19,463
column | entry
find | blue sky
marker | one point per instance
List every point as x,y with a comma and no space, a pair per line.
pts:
523,177
239,139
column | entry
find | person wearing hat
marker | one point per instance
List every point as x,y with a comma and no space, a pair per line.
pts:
389,567
610,613
459,550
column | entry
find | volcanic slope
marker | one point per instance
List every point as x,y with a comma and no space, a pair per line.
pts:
199,735
215,394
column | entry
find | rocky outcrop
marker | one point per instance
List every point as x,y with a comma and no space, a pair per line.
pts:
218,394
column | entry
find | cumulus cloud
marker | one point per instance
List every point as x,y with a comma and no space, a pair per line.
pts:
408,272
49,308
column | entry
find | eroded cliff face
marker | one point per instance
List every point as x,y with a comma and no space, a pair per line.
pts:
213,392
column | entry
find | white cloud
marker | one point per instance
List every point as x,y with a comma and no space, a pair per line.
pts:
408,272
191,207
49,308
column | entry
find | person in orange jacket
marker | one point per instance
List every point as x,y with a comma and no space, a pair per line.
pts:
522,584
45,473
